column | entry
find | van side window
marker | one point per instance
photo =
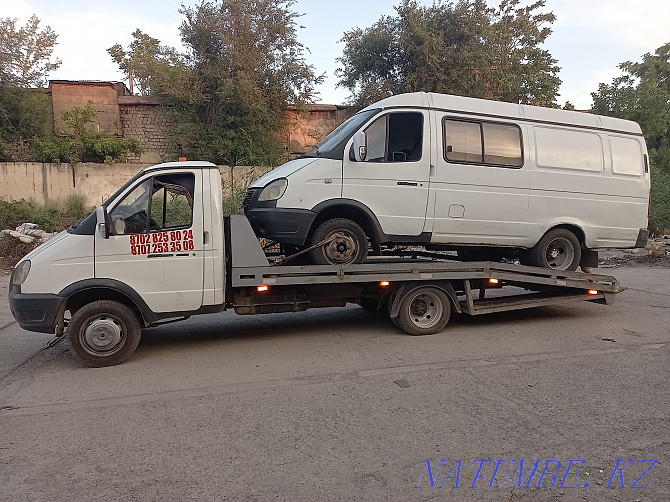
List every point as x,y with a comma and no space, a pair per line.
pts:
485,143
552,146
395,137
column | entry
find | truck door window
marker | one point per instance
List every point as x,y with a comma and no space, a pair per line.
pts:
171,206
130,215
158,203
395,137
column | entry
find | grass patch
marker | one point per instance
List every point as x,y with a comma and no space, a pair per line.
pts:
51,217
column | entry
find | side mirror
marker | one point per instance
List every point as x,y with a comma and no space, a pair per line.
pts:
360,149
101,219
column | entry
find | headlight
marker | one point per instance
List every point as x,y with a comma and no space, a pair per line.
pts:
21,272
274,190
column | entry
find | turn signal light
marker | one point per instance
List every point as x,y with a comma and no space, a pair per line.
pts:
593,291
383,284
262,289
493,281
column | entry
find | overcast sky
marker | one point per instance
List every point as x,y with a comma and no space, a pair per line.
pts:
590,37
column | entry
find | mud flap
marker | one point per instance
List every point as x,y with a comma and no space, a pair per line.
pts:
589,258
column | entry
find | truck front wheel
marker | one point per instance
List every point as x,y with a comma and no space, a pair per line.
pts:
103,333
346,243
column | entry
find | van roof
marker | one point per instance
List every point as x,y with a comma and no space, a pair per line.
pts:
500,109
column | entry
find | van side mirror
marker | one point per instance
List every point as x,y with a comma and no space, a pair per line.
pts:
101,219
360,149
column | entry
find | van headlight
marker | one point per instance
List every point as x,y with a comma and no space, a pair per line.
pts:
21,272
274,190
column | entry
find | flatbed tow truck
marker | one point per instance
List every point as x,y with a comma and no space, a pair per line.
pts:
102,282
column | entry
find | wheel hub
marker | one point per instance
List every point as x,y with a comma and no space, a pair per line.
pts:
425,310
559,254
102,334
342,249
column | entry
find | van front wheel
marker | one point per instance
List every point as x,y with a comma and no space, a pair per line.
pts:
344,243
558,249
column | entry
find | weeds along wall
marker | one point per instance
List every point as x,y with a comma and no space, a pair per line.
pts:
43,183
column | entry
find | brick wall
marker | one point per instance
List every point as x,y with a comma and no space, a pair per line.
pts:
104,97
307,125
142,118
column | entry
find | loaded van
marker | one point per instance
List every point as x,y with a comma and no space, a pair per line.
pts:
486,178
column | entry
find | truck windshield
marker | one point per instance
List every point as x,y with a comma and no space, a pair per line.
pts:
332,146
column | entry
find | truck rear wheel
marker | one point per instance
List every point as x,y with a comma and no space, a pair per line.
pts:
103,333
349,243
558,249
424,311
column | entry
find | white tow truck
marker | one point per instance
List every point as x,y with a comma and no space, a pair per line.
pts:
160,250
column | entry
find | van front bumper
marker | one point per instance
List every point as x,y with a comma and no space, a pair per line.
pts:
288,226
35,312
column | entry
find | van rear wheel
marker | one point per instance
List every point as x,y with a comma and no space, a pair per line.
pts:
346,243
558,249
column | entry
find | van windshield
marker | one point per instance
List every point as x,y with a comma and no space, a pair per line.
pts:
332,146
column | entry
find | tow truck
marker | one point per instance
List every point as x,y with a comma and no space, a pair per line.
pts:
160,250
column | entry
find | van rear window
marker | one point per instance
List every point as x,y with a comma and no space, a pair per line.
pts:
626,156
486,143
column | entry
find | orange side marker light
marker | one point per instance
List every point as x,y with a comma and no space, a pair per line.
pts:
383,284
262,289
593,291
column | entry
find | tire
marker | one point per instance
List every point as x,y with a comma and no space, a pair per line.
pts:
350,247
424,311
103,333
558,249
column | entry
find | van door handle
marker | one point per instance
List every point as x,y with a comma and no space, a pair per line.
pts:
408,183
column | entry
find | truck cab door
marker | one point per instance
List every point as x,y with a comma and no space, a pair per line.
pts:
393,178
155,244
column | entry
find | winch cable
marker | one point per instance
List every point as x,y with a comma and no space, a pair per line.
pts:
51,343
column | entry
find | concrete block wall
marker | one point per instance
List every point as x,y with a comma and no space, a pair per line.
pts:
96,182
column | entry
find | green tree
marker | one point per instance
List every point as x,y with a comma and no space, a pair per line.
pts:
229,91
463,48
642,94
25,53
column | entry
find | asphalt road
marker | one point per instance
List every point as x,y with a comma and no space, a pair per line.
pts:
337,404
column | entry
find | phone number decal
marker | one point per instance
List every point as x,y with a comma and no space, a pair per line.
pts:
162,242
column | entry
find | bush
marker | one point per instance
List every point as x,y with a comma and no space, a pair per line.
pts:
51,217
108,149
659,211
54,149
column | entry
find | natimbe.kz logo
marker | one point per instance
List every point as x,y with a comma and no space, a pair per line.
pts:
536,474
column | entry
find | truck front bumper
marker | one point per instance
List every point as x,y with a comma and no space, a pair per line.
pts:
35,312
